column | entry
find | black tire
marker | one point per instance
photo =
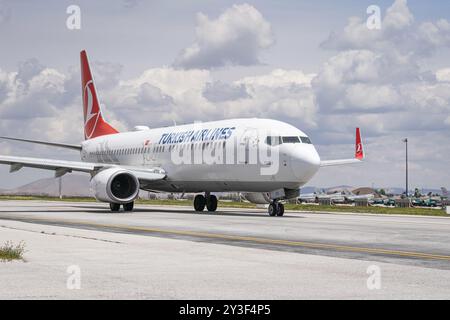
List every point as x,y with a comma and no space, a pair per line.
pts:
211,203
280,211
199,202
272,209
114,207
128,206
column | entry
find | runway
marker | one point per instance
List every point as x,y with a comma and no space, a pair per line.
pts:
413,252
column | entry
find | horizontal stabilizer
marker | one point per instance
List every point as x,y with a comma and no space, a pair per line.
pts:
359,154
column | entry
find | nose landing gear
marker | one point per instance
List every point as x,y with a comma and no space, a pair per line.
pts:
276,209
209,201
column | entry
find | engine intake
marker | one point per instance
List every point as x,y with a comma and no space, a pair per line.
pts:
115,185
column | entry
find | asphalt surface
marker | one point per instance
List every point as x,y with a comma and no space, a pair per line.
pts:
316,255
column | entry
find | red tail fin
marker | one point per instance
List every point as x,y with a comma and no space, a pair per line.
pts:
94,124
359,151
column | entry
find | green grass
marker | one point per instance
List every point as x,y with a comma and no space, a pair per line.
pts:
9,251
288,206
374,210
46,198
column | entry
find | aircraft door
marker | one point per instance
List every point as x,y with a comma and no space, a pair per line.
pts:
148,154
248,147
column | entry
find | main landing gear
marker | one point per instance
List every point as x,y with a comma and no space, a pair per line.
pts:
276,209
209,201
115,207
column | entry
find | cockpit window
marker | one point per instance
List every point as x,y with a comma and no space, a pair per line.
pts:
291,140
273,141
306,140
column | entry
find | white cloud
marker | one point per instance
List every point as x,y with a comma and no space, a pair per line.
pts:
37,97
236,37
398,16
281,94
280,78
152,96
161,95
447,121
398,34
6,84
379,74
28,69
219,91
369,97
443,75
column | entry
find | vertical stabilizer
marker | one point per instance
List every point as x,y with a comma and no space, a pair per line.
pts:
94,124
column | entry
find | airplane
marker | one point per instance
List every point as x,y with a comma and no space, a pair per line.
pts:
312,197
166,159
316,196
445,193
351,197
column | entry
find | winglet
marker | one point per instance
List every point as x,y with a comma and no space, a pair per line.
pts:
359,151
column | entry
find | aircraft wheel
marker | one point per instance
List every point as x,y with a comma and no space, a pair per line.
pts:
272,209
128,206
199,202
114,207
280,211
211,203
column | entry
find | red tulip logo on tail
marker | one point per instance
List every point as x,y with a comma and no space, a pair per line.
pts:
91,110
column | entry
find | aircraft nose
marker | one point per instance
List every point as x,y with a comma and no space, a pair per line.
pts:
305,163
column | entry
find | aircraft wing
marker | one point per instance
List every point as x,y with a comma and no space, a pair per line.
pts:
359,154
62,167
52,144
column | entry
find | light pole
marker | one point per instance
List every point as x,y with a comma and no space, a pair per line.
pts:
407,187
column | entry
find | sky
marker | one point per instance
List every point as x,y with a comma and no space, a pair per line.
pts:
315,65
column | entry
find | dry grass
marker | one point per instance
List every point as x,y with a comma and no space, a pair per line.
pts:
9,251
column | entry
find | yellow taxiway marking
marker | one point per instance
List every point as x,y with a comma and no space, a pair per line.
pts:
292,243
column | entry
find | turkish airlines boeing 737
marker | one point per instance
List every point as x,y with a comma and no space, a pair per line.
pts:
267,160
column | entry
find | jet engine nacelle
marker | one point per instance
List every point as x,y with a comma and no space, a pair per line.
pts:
115,185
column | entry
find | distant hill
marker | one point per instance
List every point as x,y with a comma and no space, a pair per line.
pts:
73,185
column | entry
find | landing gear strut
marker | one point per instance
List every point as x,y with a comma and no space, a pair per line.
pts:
209,201
276,209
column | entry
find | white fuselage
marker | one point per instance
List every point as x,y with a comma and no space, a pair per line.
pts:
235,147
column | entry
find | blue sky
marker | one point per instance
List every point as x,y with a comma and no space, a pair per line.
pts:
303,69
